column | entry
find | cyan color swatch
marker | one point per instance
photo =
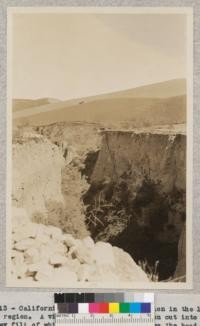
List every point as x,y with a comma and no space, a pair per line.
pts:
135,307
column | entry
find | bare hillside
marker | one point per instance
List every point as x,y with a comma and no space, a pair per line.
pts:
21,104
163,103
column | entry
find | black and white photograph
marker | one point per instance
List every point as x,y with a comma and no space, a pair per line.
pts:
99,178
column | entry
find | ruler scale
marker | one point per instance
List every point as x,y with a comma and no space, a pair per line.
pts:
96,319
105,309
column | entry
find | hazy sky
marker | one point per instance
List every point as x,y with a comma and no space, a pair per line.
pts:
73,55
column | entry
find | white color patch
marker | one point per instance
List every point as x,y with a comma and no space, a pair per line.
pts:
83,308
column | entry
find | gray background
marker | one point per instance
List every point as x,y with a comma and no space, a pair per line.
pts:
196,138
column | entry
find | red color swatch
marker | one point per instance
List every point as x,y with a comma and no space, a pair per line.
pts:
103,308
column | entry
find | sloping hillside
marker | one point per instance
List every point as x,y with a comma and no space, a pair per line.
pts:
163,103
140,111
21,104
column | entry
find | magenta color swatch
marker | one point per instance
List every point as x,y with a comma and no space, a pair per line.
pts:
93,308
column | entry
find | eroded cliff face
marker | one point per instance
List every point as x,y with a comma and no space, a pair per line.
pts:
36,174
50,240
130,192
47,185
137,195
161,157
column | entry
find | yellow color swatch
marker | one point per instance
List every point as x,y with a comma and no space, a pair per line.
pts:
113,308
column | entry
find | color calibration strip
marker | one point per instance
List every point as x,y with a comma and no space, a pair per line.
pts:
104,303
104,308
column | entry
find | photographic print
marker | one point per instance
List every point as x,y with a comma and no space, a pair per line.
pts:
99,147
